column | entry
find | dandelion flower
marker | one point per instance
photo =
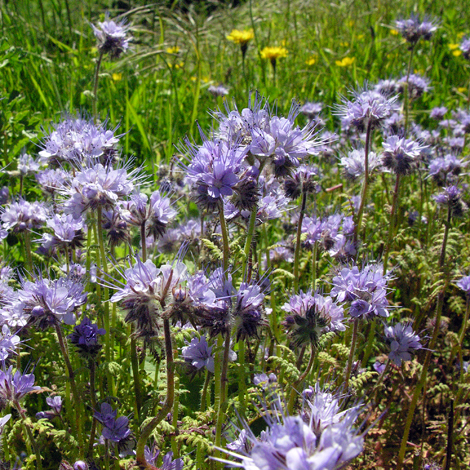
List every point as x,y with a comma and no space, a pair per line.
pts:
274,53
345,62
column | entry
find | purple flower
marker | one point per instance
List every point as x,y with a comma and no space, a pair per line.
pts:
55,403
310,316
464,284
99,186
116,430
50,302
146,289
451,197
27,164
76,139
51,181
151,455
85,336
13,387
438,112
284,143
219,90
4,195
401,155
214,170
302,179
465,47
8,343
413,29
367,106
403,341
366,290
325,440
311,110
68,234
417,85
113,38
199,354
23,216
354,163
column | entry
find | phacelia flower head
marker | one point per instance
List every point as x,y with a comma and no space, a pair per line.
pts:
283,143
354,163
401,155
199,354
464,284
76,139
9,342
49,302
367,106
438,112
403,341
55,403
303,179
151,455
451,197
311,315
311,110
51,181
413,29
13,387
145,291
366,290
113,38
23,216
85,337
115,430
218,90
465,47
27,165
291,442
67,234
417,85
99,186
214,170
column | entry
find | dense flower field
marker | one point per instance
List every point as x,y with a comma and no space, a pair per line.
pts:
265,267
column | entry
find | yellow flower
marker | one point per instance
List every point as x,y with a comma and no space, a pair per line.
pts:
173,50
241,37
311,61
461,90
457,53
360,37
273,53
177,66
460,35
346,62
394,32
452,47
117,77
344,44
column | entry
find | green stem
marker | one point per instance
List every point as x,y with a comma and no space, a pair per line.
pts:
29,259
294,392
249,239
76,398
104,300
135,375
298,242
143,242
391,230
167,406
314,265
91,366
351,354
365,184
95,86
241,377
226,248
31,439
204,391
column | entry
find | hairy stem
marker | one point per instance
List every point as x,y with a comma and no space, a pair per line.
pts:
95,86
167,406
31,439
351,354
298,242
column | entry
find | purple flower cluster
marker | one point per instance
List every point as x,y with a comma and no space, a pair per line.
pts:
85,337
113,38
324,440
413,28
401,155
77,139
365,289
23,216
403,341
13,387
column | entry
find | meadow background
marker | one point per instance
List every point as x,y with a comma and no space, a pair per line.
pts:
158,93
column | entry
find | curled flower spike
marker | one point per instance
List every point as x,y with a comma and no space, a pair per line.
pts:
401,155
